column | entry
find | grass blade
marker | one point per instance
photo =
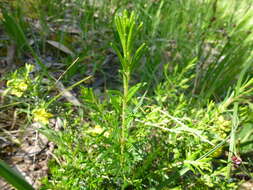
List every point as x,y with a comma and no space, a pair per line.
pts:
13,177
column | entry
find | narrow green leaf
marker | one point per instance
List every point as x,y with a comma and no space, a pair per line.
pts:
137,55
130,39
14,30
140,103
116,49
13,177
133,90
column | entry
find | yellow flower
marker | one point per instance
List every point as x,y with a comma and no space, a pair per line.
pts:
97,130
41,115
17,87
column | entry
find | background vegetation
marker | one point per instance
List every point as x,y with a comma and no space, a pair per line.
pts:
156,97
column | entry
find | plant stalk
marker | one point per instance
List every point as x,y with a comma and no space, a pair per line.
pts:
126,78
232,147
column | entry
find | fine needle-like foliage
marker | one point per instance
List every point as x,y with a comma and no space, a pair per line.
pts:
127,29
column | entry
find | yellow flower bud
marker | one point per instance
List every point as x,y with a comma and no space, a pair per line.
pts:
17,87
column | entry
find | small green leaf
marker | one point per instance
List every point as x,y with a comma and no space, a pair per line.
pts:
138,55
133,90
115,99
116,49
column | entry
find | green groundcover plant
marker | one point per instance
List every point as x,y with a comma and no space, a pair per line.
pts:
126,141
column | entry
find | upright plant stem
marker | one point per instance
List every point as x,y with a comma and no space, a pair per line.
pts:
126,78
232,139
127,30
235,121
